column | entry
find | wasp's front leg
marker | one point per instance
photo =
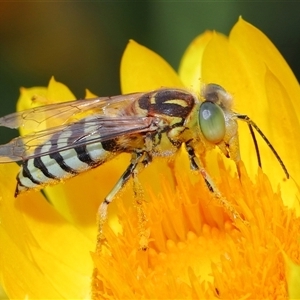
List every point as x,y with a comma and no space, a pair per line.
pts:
196,165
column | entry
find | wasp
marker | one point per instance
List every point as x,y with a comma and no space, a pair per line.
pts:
146,125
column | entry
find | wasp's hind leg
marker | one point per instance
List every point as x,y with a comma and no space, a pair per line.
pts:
102,214
140,202
102,211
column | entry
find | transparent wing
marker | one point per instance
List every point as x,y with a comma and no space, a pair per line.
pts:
62,113
86,131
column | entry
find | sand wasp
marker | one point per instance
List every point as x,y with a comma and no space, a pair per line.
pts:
146,124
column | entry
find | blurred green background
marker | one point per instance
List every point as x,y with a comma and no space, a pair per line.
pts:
81,43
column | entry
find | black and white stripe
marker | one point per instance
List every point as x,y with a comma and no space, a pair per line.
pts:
59,165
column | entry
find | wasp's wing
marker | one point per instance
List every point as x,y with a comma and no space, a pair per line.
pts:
86,131
42,117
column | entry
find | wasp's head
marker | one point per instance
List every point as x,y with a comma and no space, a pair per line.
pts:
217,122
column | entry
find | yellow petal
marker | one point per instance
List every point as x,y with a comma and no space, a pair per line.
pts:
254,87
58,92
26,101
18,274
37,244
144,70
190,69
28,96
89,94
38,96
249,40
279,95
78,198
293,277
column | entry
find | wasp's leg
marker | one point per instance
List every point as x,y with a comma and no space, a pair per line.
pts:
140,201
102,211
196,165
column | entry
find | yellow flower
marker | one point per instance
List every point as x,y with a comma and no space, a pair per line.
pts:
195,250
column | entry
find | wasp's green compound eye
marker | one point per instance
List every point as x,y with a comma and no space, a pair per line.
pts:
212,122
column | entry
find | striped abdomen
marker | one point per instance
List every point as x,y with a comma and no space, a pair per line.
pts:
56,166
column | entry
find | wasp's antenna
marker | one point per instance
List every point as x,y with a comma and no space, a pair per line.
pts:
255,144
252,124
